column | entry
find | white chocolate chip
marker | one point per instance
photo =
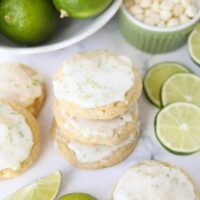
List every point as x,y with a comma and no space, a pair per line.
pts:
178,10
145,3
191,11
135,10
167,5
140,17
184,19
137,2
173,22
185,3
149,21
128,3
154,16
155,6
161,24
148,12
165,15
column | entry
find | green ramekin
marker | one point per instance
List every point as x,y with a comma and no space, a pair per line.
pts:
154,39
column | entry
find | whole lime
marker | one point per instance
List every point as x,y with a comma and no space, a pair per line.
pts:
77,196
81,8
26,21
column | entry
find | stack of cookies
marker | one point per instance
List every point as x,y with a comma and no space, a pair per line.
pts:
95,108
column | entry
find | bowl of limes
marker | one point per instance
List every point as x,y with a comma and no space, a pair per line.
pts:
49,25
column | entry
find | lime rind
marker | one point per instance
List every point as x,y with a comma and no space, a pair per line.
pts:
168,149
153,102
147,89
191,46
162,141
59,175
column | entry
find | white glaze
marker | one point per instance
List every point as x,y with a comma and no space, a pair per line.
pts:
103,128
154,182
18,85
15,139
91,154
94,79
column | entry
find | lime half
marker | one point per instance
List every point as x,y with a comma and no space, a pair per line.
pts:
156,76
178,129
181,87
194,45
77,196
44,188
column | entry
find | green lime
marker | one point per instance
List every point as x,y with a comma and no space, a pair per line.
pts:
77,196
27,22
181,87
81,8
178,129
156,76
194,45
45,188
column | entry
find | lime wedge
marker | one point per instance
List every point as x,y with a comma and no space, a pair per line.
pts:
194,45
45,188
156,76
181,87
77,196
178,129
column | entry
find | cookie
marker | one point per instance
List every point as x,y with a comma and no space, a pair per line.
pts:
19,139
22,84
97,85
155,180
105,132
93,156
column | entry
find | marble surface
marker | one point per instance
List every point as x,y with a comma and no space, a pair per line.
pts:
98,183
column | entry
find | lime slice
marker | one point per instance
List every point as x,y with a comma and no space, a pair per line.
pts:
178,129
44,188
194,45
77,196
156,76
181,87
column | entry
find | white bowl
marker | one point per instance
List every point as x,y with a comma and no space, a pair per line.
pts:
68,32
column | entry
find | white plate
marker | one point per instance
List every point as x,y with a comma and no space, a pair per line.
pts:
68,32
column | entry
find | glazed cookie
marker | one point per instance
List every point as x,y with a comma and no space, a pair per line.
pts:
155,180
106,132
19,139
93,156
22,84
97,85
